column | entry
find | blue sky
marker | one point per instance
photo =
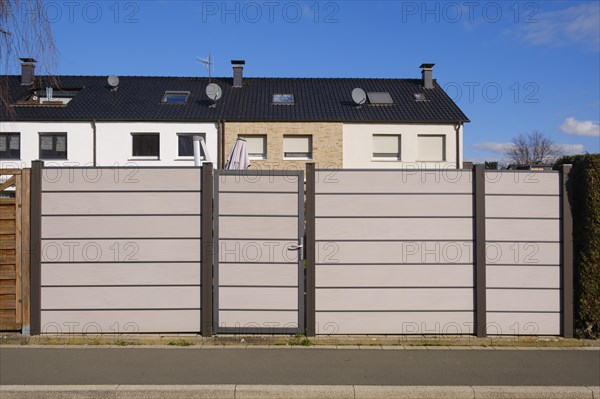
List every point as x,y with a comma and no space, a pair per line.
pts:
511,66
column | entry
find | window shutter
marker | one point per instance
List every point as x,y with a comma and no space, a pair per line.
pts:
431,148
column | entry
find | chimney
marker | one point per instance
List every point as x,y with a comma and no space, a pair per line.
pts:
238,72
427,72
27,70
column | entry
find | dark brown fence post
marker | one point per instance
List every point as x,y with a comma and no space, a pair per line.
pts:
566,252
36,246
310,250
207,250
479,249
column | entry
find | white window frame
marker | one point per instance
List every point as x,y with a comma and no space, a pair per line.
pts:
53,134
251,136
145,157
382,158
444,152
310,146
190,157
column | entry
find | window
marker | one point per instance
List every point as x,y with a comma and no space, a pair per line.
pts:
53,146
186,144
175,97
256,146
386,147
54,96
10,146
297,147
146,145
431,148
283,99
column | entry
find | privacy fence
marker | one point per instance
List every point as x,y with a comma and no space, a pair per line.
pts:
122,250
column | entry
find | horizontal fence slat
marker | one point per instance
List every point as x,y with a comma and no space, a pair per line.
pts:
523,276
332,252
121,251
394,181
120,298
258,298
400,299
507,206
120,179
121,274
436,323
257,274
399,229
253,183
257,251
129,203
526,253
394,275
522,183
120,226
522,230
257,319
257,204
523,323
121,321
394,205
523,300
255,227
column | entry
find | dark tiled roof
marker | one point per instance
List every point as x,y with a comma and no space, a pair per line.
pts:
138,99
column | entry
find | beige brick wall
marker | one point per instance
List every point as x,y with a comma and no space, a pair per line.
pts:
327,144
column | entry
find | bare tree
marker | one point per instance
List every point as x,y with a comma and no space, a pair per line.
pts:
532,148
25,31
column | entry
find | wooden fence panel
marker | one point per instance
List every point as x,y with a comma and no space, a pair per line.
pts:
14,249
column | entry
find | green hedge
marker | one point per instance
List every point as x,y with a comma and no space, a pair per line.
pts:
585,197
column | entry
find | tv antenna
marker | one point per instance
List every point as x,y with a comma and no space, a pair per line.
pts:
208,63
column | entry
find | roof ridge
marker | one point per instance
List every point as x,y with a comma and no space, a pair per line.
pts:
213,77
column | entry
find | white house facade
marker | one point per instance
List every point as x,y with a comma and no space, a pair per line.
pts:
393,146
72,143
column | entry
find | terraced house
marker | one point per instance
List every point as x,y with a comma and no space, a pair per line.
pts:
150,121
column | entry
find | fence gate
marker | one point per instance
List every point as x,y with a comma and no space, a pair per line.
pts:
259,267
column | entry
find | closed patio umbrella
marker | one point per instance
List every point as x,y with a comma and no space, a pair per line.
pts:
238,156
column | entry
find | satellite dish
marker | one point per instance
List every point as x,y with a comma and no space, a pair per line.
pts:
359,96
214,92
113,80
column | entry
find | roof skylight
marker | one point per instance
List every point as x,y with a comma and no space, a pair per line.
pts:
283,99
175,97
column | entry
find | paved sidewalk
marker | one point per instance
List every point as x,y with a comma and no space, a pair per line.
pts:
76,365
295,367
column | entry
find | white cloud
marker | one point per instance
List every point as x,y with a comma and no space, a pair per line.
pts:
577,24
571,149
497,148
580,128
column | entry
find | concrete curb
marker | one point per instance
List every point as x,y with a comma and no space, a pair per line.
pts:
293,392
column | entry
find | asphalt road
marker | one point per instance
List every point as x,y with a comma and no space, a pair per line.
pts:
186,366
